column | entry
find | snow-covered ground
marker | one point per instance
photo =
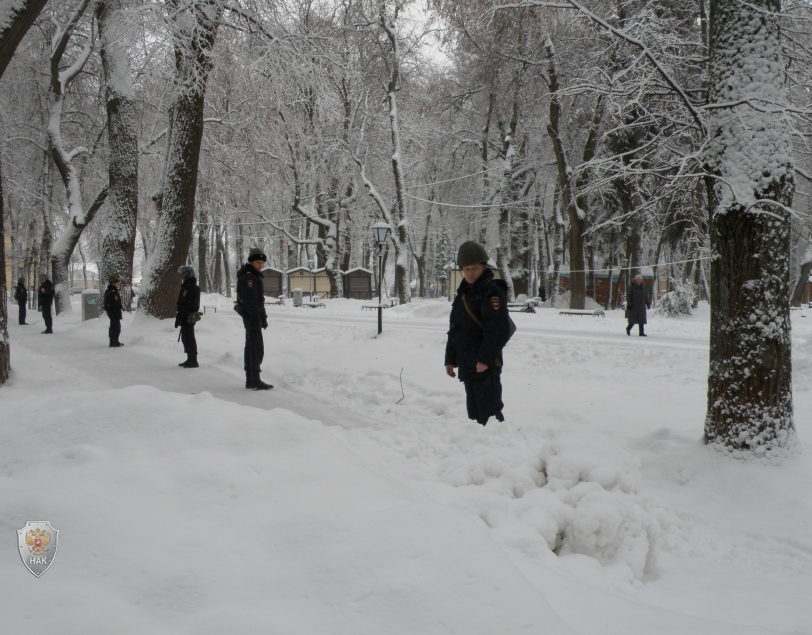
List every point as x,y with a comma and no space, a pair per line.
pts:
187,504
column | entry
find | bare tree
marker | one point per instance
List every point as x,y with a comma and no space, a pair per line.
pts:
118,241
193,25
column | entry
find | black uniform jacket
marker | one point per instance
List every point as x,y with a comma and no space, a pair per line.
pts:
637,301
468,342
112,303
21,294
250,293
188,300
45,293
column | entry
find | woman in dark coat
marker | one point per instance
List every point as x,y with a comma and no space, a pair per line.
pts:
637,301
188,303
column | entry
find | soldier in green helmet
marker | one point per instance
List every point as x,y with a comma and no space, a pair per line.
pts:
114,310
479,330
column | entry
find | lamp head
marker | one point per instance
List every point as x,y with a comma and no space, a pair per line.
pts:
380,231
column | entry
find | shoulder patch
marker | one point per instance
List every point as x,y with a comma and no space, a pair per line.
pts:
250,283
495,303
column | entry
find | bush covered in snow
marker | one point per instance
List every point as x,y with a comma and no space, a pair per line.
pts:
678,300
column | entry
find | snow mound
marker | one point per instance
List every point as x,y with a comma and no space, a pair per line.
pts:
421,309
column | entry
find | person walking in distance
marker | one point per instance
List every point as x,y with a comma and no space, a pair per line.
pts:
45,300
21,296
479,329
637,301
188,315
251,306
114,309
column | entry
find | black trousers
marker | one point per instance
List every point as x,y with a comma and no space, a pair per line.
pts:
22,312
187,336
46,315
254,345
115,330
483,397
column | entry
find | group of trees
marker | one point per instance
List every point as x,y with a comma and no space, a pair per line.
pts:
604,135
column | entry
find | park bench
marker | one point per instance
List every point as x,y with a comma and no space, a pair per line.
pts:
205,307
314,305
595,313
521,307
374,307
274,301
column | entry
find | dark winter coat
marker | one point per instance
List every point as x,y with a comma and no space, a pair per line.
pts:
112,303
188,300
45,293
21,294
250,295
637,301
468,343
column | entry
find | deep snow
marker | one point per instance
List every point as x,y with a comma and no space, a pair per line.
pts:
187,504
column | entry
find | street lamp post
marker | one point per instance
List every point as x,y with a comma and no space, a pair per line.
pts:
380,232
310,265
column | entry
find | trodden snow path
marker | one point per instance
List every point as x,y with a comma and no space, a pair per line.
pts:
372,517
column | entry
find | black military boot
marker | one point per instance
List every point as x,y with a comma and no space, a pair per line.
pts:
249,381
191,362
258,384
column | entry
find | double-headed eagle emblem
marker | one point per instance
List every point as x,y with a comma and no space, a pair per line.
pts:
37,541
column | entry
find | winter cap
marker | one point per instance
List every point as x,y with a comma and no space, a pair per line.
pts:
114,277
256,254
471,253
21,281
186,271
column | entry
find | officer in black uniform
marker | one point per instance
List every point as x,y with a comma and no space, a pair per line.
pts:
251,306
45,300
114,309
479,330
21,296
188,305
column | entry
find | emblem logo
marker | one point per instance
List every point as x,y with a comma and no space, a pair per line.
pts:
37,542
495,304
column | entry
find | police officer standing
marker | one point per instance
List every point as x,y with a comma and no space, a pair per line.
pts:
21,295
45,300
188,311
251,306
114,309
479,329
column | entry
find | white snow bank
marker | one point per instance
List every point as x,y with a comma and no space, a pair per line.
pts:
188,514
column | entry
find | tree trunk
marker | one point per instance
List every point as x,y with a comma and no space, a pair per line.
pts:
5,352
803,277
193,63
118,236
202,250
749,150
558,248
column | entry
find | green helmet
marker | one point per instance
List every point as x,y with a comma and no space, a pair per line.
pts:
114,278
256,254
471,253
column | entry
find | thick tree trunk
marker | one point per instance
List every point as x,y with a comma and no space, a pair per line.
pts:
118,236
558,245
749,150
5,351
193,62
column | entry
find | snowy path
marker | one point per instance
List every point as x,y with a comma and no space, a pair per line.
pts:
599,459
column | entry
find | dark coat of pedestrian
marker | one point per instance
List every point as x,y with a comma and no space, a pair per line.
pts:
479,328
188,315
114,309
637,301
251,307
21,296
45,300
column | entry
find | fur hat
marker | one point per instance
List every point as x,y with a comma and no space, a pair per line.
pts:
44,274
256,254
187,271
114,277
